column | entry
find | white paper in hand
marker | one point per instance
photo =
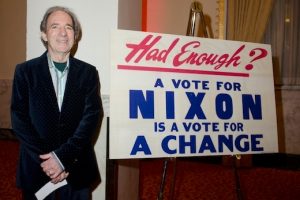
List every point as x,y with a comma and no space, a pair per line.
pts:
48,188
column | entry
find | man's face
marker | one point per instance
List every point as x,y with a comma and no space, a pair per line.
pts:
59,33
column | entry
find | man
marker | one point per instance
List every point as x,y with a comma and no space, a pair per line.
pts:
56,109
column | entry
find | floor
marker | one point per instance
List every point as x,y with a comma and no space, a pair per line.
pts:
187,179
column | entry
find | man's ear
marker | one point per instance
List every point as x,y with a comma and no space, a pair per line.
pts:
44,37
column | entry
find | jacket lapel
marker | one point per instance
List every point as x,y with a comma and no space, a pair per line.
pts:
47,82
70,84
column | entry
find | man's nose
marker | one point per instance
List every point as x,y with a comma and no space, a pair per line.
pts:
63,31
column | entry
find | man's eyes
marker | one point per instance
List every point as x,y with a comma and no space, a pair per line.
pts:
68,27
54,26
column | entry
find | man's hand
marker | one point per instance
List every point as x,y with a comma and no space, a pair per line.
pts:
52,168
62,176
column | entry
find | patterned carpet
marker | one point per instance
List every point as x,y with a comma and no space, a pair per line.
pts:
194,180
8,160
203,181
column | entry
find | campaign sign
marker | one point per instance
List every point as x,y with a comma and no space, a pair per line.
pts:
177,96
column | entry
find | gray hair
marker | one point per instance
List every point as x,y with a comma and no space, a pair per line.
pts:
76,24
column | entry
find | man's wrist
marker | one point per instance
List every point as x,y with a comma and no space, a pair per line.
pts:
58,161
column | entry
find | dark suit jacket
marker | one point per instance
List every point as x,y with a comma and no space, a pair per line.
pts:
42,128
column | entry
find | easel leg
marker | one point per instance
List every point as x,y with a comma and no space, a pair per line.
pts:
163,180
237,177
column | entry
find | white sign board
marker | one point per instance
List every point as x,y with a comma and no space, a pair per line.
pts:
176,96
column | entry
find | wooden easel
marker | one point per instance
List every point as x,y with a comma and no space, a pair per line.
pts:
196,12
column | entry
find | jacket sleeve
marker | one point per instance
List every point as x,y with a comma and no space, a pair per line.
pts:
71,151
20,116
